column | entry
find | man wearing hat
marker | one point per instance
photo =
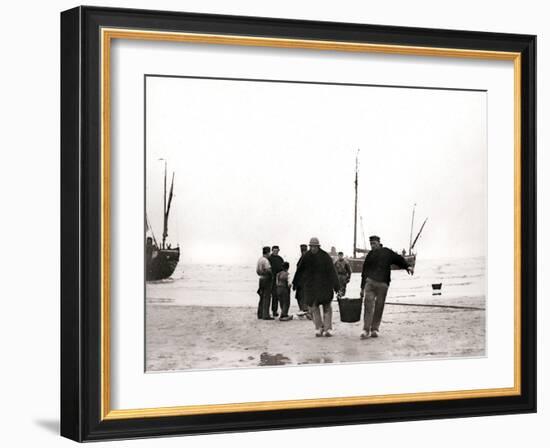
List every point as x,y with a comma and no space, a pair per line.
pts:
276,262
299,290
317,276
375,281
343,269
263,269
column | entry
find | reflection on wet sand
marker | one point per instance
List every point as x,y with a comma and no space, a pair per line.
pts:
267,359
318,360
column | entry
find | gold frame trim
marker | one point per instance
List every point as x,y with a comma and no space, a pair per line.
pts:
107,35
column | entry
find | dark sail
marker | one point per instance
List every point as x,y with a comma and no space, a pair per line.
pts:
161,262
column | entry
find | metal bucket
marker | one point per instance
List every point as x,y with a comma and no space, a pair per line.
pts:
350,309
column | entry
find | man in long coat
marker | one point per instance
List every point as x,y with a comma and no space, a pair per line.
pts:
317,276
299,290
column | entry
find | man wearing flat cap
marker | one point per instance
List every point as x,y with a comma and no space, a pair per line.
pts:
317,276
375,281
343,269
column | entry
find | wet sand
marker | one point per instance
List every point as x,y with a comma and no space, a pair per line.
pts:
195,337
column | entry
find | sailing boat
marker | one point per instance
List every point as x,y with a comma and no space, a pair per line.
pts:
161,260
356,262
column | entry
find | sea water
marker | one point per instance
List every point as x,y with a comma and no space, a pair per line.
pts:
463,284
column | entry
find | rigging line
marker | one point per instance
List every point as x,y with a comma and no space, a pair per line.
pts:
151,229
363,230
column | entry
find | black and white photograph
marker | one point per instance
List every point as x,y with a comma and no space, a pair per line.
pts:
269,224
295,223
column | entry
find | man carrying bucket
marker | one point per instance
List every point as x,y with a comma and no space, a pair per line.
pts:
375,281
317,276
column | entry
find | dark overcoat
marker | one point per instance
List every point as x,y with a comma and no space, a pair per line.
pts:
317,277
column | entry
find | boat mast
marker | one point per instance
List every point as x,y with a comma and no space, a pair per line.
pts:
411,236
164,226
355,214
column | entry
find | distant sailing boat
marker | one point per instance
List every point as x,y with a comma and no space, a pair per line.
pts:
161,261
356,262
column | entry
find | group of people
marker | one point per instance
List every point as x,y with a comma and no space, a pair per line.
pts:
318,278
274,288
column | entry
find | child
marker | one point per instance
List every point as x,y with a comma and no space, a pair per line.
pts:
283,291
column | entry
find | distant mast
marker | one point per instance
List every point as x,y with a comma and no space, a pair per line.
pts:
355,214
411,235
164,223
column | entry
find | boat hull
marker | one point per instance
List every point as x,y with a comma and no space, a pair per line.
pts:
162,265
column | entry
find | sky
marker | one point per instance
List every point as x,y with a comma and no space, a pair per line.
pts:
264,163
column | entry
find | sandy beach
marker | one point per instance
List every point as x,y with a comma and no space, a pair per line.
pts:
206,337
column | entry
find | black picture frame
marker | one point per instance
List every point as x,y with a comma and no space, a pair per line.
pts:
81,215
